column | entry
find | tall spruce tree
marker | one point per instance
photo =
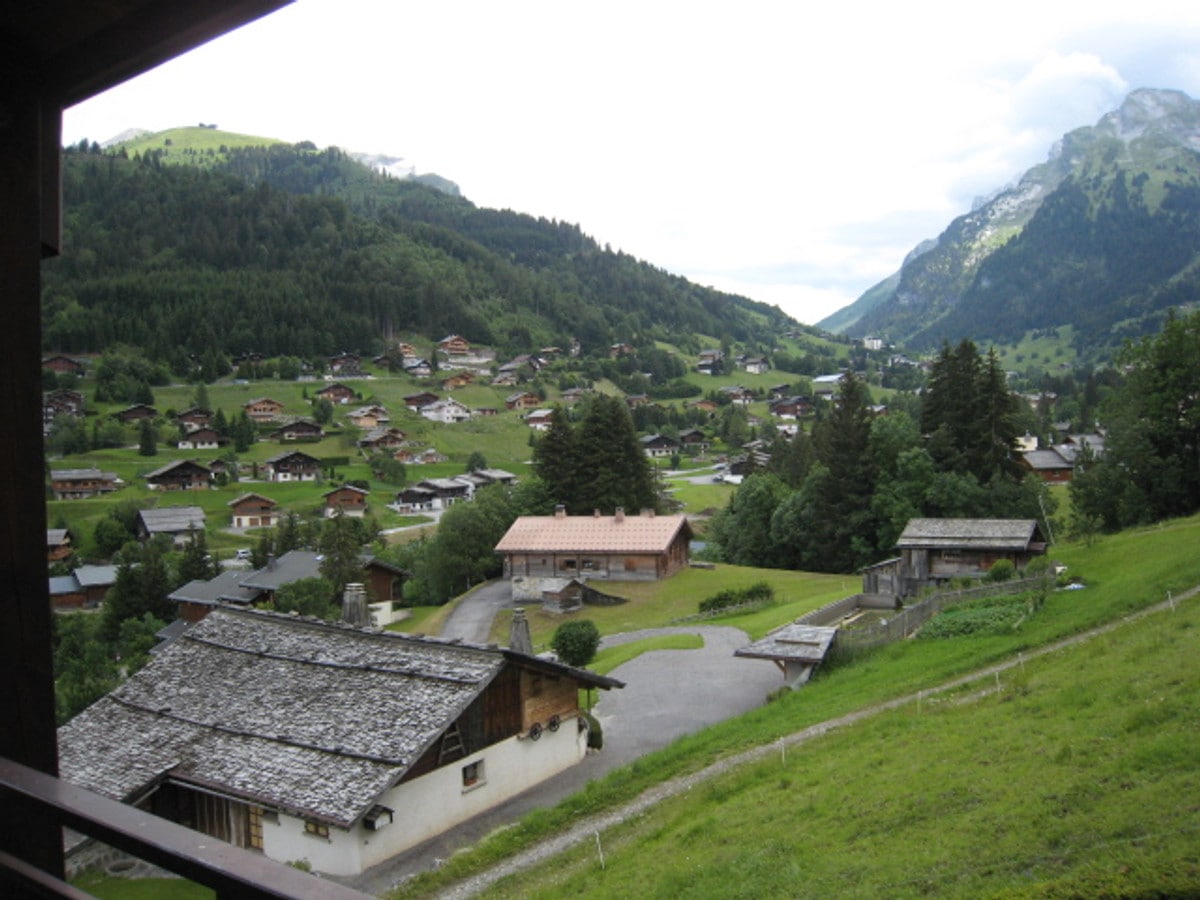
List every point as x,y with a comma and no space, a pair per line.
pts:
556,459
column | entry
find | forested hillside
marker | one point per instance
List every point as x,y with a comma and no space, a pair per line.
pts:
288,250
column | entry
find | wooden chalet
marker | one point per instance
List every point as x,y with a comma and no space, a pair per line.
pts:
416,401
136,413
178,522
293,466
194,418
369,416
522,400
298,430
180,475
305,752
79,484
346,500
336,393
934,551
254,511
263,409
58,544
457,380
382,438
202,439
62,402
346,364
645,547
455,345
63,365
658,446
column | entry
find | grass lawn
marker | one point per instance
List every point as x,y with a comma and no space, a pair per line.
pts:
654,604
107,887
1079,776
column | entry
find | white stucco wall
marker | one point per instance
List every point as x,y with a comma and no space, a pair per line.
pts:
434,802
430,804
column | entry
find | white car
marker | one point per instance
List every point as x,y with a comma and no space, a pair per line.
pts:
244,553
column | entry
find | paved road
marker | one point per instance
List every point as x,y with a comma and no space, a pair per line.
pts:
668,693
471,619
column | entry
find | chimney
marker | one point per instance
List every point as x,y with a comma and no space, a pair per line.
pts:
519,638
560,511
354,606
619,515
595,513
271,562
648,512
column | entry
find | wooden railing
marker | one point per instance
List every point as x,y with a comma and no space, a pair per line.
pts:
229,871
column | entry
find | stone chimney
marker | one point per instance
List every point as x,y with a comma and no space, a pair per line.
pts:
519,638
354,606
560,511
648,512
271,562
619,515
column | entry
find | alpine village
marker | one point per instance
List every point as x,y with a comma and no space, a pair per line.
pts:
401,545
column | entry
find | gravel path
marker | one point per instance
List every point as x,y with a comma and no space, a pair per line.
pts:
668,789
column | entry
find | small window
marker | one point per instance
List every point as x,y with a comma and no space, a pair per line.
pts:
472,774
316,829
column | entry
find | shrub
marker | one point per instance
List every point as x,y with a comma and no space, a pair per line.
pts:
1001,570
576,642
759,592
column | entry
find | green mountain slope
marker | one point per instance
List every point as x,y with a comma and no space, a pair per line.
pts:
1104,236
279,248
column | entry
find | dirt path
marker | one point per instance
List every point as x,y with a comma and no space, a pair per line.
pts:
587,831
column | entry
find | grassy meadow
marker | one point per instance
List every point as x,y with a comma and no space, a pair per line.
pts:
1072,774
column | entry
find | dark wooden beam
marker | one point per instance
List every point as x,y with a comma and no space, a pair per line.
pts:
27,723
146,37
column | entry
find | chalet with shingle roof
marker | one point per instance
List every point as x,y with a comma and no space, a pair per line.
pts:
645,547
180,475
253,511
179,522
78,484
63,365
136,413
937,550
263,409
382,438
337,394
339,745
347,500
298,430
293,466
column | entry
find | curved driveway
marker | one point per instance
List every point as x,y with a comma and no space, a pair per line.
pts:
667,694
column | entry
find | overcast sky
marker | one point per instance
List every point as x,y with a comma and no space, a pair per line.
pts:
793,152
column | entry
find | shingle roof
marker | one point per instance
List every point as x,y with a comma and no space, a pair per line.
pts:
978,534
793,643
592,534
1041,460
178,464
172,519
292,566
312,718
226,587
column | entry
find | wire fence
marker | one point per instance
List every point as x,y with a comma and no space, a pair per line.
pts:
906,621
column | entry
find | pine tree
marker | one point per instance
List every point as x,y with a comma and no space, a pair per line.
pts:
147,439
556,460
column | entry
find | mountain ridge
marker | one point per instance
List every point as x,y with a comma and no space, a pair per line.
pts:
1132,173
